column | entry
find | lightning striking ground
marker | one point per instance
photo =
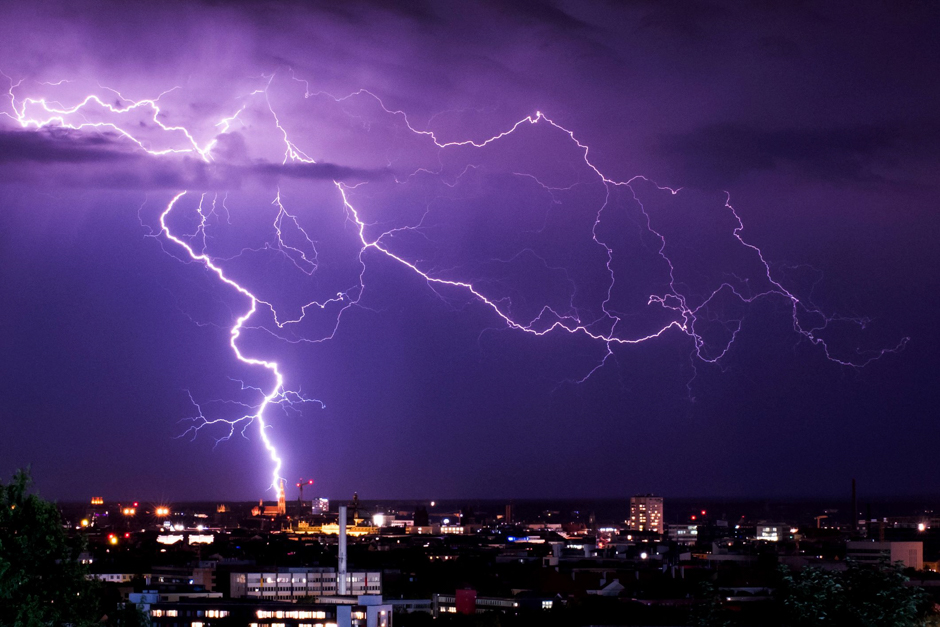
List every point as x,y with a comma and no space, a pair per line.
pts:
142,123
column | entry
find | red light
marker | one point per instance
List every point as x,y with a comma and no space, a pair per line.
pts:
127,535
110,535
135,503
693,516
703,512
310,482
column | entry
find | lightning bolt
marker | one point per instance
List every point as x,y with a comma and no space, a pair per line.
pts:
277,390
94,113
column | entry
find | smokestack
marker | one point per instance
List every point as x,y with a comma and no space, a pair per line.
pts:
341,571
854,509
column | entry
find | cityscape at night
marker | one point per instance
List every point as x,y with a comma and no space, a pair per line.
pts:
321,314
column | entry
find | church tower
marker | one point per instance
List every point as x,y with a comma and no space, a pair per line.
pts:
281,500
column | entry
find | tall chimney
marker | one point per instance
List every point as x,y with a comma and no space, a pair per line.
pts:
854,520
341,571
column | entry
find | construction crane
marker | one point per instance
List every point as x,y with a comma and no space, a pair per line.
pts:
300,484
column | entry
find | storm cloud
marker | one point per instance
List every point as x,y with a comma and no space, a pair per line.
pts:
720,155
819,120
66,158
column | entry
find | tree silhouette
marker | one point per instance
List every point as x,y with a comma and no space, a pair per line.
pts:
862,595
41,579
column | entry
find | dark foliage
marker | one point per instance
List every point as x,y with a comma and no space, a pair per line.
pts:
861,595
42,582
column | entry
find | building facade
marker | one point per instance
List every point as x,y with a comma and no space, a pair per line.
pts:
911,554
287,584
683,534
365,611
646,513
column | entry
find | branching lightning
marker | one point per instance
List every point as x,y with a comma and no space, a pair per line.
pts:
93,113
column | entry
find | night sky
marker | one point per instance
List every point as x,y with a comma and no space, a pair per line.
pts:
818,125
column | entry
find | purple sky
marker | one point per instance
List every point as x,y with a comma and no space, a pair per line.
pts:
820,123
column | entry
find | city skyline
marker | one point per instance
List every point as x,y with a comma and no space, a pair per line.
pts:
489,252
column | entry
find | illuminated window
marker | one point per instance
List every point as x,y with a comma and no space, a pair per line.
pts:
172,613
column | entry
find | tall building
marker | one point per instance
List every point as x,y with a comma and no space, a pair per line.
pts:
646,513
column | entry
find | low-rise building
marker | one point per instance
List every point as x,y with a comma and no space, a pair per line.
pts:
911,554
288,584
683,534
364,611
771,531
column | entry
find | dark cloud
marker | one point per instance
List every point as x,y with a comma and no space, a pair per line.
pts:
58,146
688,19
778,46
538,12
359,10
317,171
65,158
719,154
